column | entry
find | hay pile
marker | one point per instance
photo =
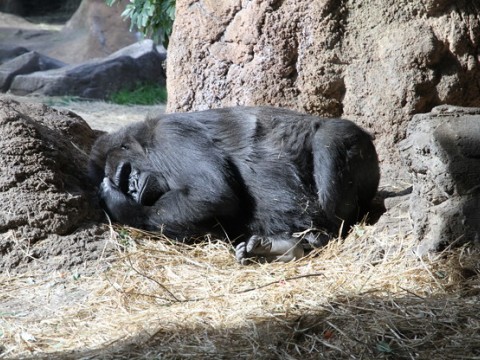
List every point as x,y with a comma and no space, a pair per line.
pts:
364,297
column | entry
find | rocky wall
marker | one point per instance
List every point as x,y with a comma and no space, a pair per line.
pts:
376,62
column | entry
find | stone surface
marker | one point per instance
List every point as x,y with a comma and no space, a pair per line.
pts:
48,216
25,64
442,153
98,78
8,52
95,30
376,62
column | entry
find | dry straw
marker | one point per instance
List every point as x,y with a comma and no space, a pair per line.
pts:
365,297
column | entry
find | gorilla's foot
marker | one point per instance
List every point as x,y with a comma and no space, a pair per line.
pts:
273,248
314,240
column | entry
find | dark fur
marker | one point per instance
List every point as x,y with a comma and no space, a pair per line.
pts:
257,174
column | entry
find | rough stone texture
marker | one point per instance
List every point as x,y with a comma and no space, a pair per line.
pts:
25,64
442,153
376,62
98,78
47,207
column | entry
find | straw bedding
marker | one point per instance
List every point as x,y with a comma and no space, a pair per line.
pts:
368,296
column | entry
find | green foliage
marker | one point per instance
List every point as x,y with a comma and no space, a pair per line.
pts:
154,18
148,94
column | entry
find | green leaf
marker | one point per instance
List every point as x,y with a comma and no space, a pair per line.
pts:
154,18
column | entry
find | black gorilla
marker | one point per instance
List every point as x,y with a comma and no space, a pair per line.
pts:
272,180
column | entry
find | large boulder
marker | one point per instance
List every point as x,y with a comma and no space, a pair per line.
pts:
48,216
95,30
98,78
9,52
25,64
376,62
442,153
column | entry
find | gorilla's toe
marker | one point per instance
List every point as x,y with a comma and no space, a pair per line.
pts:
241,253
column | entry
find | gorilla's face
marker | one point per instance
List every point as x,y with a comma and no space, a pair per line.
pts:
127,167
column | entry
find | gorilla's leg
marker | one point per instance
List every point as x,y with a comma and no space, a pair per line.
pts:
346,173
336,192
281,248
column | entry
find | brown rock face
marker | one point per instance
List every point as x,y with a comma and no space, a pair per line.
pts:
376,62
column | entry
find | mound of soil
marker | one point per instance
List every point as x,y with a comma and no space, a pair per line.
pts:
47,205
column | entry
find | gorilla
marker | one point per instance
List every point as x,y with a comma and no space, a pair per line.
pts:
274,182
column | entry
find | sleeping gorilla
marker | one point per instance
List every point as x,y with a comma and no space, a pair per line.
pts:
274,181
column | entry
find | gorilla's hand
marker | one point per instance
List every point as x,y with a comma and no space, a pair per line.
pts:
128,193
118,204
273,248
144,187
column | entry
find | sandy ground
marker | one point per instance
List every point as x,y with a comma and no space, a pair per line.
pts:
109,117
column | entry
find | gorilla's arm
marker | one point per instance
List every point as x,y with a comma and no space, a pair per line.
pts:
195,181
177,212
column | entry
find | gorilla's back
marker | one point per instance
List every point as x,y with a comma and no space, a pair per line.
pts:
242,131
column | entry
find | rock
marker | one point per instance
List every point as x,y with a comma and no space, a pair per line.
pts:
442,153
95,30
47,212
376,63
393,220
25,64
10,52
97,79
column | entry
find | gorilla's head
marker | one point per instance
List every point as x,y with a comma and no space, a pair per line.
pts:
127,166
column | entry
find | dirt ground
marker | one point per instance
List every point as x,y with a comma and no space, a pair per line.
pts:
99,116
363,298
